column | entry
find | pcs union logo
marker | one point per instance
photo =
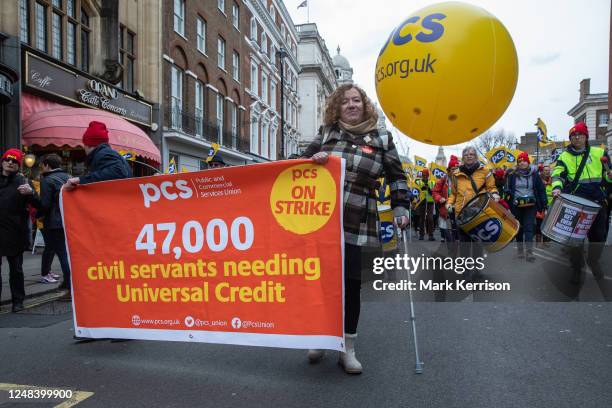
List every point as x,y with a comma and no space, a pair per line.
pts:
487,231
498,156
386,231
236,323
136,320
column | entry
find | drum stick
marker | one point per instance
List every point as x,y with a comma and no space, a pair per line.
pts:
418,368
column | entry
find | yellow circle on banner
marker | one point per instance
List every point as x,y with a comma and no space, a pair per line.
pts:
447,73
303,198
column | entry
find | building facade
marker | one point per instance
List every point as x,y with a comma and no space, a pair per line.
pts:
205,78
83,60
592,109
273,81
316,81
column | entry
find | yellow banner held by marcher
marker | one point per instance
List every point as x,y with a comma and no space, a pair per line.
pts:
420,161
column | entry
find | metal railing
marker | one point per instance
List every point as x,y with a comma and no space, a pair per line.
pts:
200,128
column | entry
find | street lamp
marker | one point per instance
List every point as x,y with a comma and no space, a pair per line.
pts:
281,54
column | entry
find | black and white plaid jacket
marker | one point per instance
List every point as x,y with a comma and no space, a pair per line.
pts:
368,157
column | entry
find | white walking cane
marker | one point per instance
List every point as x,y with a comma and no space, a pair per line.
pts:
418,369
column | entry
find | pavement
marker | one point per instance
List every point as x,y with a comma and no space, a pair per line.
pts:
33,287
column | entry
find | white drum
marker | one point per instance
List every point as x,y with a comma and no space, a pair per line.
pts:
569,219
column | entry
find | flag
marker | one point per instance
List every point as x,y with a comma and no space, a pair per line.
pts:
172,166
542,133
420,161
511,157
497,156
438,171
214,148
303,4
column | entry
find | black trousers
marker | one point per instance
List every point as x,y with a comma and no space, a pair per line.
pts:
352,287
56,244
15,278
597,237
426,219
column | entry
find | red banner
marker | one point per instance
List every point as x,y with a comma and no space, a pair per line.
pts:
241,255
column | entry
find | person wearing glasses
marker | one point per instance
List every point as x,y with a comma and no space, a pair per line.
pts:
15,195
588,181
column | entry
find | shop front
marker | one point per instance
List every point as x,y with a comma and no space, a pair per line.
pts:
57,104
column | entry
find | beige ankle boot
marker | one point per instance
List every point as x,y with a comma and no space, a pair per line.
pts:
348,360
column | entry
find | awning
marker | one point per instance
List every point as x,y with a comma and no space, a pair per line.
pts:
59,125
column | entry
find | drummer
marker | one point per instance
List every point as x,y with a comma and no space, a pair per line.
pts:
590,183
468,181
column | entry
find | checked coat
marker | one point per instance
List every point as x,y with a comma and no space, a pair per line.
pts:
368,157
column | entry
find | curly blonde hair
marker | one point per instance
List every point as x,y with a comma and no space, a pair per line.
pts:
334,105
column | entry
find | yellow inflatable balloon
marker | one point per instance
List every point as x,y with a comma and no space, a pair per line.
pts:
447,73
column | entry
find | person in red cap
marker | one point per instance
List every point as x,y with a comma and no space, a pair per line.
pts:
15,195
103,163
527,196
584,171
440,196
425,209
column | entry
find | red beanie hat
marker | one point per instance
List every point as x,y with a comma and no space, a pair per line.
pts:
425,173
524,157
499,173
453,162
14,154
95,134
580,127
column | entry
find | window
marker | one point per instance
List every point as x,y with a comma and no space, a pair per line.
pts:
273,13
201,34
273,143
41,27
234,123
254,135
57,4
70,8
199,108
71,43
272,52
602,118
127,57
254,79
273,94
264,139
84,41
221,5
283,32
253,29
236,16
176,98
220,100
24,21
179,16
221,53
56,36
264,43
236,66
264,87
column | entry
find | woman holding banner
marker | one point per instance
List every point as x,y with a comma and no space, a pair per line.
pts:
350,131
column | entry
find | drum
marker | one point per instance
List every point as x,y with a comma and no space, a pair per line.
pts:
388,238
569,219
488,222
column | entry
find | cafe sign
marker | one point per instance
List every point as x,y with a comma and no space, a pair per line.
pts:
47,77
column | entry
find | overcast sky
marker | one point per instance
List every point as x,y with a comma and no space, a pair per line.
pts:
558,42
